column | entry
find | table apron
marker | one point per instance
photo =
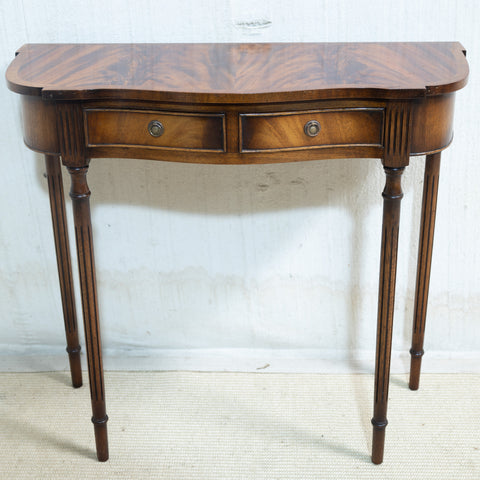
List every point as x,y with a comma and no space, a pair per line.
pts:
240,134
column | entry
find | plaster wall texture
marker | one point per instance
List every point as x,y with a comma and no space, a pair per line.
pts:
238,267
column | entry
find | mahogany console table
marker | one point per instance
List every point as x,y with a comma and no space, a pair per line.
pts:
239,104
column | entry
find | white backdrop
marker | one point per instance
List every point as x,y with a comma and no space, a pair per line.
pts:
234,267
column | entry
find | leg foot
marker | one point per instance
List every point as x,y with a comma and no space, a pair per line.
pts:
378,442
415,366
75,366
101,437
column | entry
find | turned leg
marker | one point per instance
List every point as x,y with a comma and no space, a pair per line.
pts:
392,195
427,229
83,234
60,233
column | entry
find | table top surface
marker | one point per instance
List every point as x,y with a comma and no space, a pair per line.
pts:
238,73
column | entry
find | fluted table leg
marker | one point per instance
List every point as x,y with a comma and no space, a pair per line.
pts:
392,195
80,194
427,229
60,233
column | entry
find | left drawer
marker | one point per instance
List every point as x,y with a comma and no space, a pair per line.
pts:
155,129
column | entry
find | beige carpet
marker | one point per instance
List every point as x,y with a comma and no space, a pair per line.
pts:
186,425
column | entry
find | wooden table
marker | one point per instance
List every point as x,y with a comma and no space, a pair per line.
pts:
239,104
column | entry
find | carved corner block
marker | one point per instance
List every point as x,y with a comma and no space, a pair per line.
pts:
71,133
397,134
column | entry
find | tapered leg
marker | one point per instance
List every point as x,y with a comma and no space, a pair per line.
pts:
83,234
427,229
392,195
60,233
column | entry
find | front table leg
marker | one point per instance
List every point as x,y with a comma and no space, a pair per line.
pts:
392,195
80,194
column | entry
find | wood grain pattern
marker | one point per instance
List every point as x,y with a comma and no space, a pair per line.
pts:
347,127
240,73
432,124
40,125
183,131
431,131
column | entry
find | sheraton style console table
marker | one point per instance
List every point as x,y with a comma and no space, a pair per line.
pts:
239,104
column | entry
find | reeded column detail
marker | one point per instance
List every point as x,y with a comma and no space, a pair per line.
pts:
392,195
64,265
424,262
398,133
80,194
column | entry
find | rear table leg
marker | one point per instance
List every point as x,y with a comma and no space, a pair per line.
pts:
427,229
60,233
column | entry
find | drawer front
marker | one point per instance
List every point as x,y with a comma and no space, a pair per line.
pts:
313,129
155,129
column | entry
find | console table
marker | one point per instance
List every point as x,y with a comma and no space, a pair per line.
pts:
238,104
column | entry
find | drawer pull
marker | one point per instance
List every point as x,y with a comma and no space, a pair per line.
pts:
155,128
312,128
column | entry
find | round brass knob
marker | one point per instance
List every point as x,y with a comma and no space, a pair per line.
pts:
312,128
155,128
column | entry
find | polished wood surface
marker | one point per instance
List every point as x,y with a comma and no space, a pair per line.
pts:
182,131
40,125
347,127
432,124
242,104
241,73
431,130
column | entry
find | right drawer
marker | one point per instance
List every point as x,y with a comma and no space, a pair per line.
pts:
311,129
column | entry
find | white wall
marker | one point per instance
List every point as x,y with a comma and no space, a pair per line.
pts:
234,267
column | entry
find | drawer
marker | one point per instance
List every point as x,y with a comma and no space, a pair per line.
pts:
154,129
312,129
